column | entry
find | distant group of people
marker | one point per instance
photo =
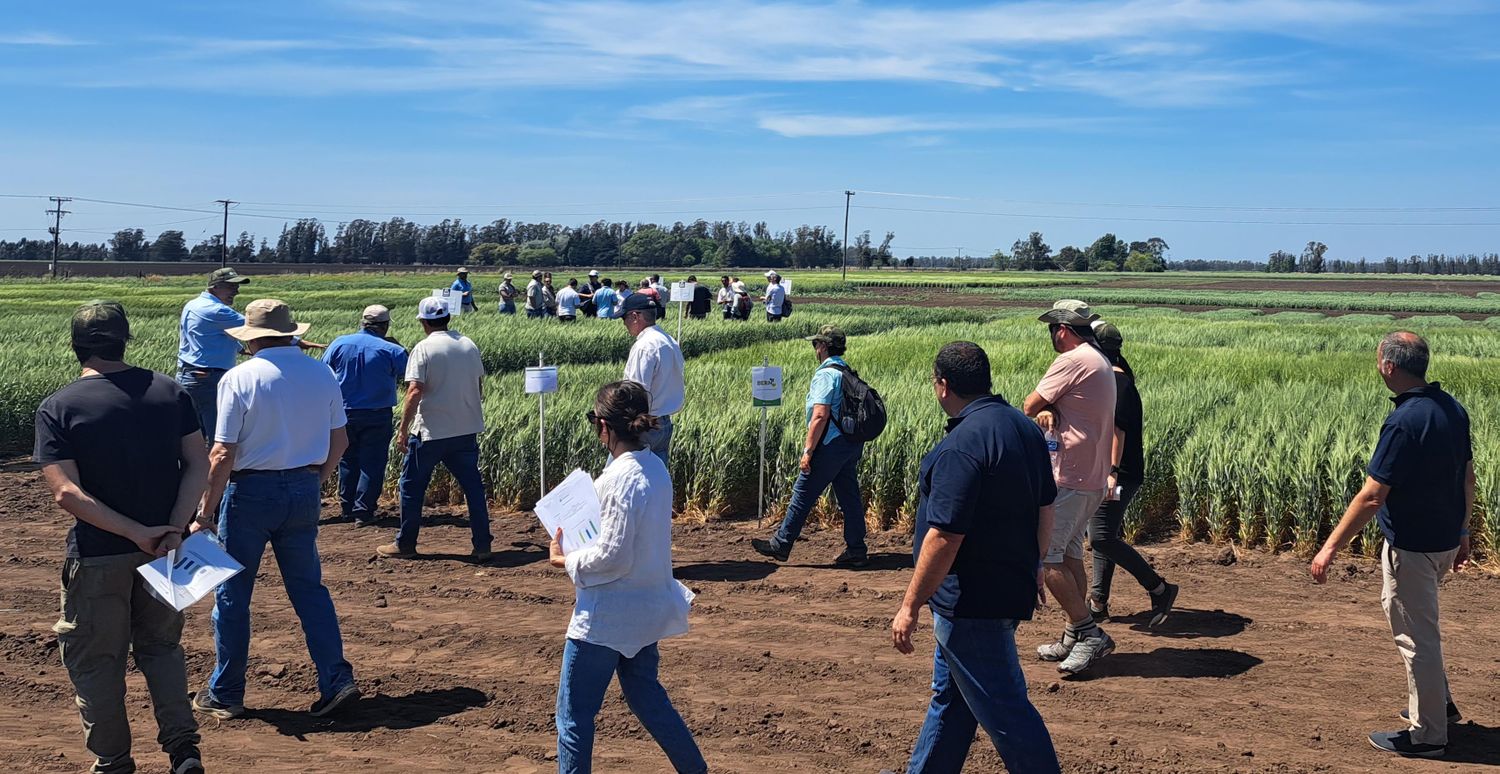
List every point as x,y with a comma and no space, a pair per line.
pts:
1006,499
604,297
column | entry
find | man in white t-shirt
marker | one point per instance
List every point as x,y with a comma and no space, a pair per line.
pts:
440,423
655,362
279,437
774,298
568,301
1075,403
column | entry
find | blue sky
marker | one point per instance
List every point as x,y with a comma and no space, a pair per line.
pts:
1231,129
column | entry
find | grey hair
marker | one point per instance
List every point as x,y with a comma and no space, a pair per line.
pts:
1406,351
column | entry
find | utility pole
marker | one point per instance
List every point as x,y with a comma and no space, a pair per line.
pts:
56,229
224,239
844,268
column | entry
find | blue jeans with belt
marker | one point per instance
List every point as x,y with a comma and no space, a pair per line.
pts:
362,468
280,508
659,441
586,671
202,385
835,464
977,681
460,455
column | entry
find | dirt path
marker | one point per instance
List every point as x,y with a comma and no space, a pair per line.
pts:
786,669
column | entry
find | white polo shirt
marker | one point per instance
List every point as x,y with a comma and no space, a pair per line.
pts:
278,408
449,368
656,363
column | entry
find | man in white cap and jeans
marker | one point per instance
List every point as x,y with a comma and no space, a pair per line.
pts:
440,424
280,436
775,297
1075,406
655,362
367,365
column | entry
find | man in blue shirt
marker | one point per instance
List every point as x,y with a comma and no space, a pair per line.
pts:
462,283
204,350
606,300
1420,486
984,520
828,458
368,365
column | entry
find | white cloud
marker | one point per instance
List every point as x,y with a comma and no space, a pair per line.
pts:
39,39
817,125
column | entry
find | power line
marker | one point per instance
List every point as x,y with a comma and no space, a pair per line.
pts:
1216,221
373,207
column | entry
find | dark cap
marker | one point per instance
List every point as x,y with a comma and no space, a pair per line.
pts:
227,275
639,302
1107,335
830,335
100,322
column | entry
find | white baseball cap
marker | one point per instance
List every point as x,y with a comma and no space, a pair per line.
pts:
594,273
771,274
432,308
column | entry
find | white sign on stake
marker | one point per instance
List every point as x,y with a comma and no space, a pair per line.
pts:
541,379
683,291
765,386
786,285
454,299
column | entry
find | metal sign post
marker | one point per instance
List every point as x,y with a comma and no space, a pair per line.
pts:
765,392
541,380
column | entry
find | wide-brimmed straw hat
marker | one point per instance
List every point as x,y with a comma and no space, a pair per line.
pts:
268,318
1069,311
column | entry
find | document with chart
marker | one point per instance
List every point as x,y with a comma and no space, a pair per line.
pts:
572,507
189,573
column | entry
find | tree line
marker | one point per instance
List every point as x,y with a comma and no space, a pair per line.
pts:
500,243
1107,253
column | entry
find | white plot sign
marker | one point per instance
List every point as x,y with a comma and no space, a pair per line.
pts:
453,298
683,291
541,379
765,386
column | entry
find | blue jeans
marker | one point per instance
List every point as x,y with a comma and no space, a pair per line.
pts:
977,681
281,509
460,455
659,441
586,672
204,390
536,313
507,307
362,468
835,463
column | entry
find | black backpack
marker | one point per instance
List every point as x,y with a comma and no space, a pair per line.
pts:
862,410
786,306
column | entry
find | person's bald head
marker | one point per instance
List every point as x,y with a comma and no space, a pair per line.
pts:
1406,351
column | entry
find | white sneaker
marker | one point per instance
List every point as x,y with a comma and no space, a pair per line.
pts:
1086,652
1057,650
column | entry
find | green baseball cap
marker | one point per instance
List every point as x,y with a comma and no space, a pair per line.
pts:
227,275
1069,311
100,322
831,335
1107,335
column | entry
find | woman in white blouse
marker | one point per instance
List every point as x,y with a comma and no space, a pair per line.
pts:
627,599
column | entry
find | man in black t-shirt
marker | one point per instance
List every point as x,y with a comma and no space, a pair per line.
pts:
121,450
1420,485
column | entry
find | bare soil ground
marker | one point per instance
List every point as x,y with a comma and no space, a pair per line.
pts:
1178,281
788,668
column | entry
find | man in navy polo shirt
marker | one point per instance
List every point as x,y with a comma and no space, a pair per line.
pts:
368,365
1421,488
983,522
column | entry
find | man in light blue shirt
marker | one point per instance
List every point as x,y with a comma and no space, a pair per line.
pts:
775,297
829,458
462,284
368,365
605,300
204,350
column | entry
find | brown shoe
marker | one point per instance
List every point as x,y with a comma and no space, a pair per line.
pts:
396,551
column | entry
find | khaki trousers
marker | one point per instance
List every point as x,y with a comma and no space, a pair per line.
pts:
1410,599
108,614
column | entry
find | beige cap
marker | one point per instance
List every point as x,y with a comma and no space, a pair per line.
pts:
267,318
1069,311
375,313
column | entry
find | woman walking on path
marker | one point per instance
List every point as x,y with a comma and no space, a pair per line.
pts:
627,600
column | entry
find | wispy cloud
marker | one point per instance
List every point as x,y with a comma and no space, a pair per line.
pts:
817,125
39,39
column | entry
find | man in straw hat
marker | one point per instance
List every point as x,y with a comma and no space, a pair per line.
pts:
367,365
280,436
121,451
440,424
1075,406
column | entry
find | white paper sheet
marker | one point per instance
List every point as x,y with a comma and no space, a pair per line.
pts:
200,566
541,379
574,507
683,291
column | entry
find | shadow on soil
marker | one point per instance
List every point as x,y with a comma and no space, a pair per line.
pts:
414,710
1472,743
726,571
1173,662
878,563
1188,624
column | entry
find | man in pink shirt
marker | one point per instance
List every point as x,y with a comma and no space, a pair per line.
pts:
1075,405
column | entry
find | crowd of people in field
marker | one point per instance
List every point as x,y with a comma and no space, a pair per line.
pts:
242,441
604,298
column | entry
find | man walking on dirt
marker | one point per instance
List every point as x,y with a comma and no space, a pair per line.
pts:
367,366
1075,404
1420,486
655,362
440,424
280,436
121,451
829,458
983,522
